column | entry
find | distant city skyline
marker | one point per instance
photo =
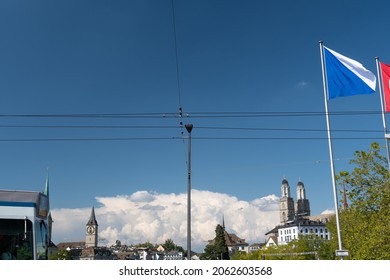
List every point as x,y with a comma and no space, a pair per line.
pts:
163,216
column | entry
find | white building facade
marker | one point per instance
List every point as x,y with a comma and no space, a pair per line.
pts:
301,228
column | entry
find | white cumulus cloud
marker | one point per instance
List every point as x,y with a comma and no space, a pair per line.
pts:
154,217
328,211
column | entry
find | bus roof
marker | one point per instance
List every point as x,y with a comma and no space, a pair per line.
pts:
38,200
20,196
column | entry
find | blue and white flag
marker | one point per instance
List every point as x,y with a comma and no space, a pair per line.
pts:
346,76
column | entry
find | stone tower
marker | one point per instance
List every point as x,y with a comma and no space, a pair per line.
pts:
302,206
287,212
91,239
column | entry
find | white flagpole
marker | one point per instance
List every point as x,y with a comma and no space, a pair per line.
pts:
380,82
325,83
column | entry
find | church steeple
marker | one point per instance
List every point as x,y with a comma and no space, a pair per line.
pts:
285,189
302,206
92,219
91,239
301,193
286,203
46,191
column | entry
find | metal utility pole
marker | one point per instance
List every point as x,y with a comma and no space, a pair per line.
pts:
189,129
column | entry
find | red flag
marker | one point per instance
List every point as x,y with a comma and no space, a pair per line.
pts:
386,85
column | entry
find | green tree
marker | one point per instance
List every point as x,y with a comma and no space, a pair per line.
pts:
367,185
217,249
365,224
171,246
147,244
278,253
307,247
312,243
60,255
239,255
255,255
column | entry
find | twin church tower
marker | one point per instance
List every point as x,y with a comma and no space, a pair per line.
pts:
288,211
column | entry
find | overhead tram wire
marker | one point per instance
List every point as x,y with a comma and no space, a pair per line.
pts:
277,114
181,126
160,115
165,115
180,138
95,116
177,69
174,127
286,129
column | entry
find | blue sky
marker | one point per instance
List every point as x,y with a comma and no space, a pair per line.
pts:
64,60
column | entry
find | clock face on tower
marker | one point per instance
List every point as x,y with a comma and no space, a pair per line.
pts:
90,229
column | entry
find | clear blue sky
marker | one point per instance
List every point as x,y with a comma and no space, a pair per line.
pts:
119,57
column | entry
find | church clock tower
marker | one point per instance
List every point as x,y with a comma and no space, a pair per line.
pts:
286,203
91,239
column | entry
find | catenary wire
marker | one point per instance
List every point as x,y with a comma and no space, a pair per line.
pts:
198,127
178,138
162,115
174,115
